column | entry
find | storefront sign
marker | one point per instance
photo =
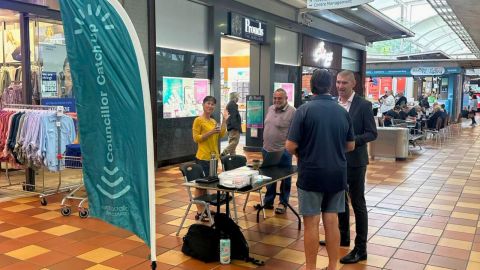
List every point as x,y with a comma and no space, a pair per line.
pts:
67,103
388,72
453,70
255,111
114,113
247,28
334,4
472,72
49,84
319,53
427,71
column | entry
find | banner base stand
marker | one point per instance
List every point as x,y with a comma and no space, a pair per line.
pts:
154,265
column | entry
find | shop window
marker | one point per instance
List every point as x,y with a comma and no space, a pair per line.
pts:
183,80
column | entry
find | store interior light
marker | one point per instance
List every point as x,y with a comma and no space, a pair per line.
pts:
354,8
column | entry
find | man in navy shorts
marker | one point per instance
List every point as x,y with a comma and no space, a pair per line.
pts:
320,134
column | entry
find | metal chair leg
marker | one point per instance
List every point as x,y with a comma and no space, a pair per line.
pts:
184,217
246,200
234,207
261,203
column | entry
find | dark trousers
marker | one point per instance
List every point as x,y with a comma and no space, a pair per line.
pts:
285,185
356,192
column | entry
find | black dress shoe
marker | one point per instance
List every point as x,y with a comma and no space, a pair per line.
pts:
354,256
342,243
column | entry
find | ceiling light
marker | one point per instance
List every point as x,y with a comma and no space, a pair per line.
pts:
354,8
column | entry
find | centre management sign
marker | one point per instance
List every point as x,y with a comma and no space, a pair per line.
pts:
334,4
247,28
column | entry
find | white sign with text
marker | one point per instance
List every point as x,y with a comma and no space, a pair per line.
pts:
334,4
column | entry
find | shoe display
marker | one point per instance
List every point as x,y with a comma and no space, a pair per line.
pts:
354,256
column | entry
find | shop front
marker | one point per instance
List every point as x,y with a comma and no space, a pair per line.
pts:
33,60
439,84
318,53
219,48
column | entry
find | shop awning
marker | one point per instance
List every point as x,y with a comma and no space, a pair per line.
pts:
363,19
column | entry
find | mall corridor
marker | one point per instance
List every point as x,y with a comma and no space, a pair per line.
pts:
423,214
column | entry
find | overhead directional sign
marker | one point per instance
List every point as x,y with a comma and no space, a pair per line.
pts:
334,4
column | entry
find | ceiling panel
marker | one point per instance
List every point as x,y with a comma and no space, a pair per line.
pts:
467,12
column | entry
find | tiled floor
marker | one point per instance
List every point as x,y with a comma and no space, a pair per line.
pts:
423,214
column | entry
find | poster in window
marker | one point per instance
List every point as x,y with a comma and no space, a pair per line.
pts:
183,97
12,48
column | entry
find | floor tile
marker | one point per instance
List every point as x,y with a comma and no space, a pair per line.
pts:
413,256
99,255
275,240
395,264
291,255
427,231
460,228
446,242
375,260
386,241
61,230
455,253
27,252
172,257
18,232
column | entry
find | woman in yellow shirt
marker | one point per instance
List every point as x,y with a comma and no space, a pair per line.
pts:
206,133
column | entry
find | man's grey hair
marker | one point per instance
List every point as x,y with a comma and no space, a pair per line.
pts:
234,96
281,90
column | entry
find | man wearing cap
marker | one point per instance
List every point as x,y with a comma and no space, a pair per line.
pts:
320,134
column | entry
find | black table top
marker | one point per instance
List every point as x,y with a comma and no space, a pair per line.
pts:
276,173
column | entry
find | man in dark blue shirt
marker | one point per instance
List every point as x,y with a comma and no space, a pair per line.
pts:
320,134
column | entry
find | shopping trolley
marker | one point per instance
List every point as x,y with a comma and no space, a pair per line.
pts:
74,164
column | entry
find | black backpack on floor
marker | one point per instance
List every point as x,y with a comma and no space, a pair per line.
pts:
202,242
239,249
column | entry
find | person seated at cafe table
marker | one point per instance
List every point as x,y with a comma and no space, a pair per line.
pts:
390,115
403,112
432,120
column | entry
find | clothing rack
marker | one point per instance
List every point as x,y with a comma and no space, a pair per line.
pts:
29,187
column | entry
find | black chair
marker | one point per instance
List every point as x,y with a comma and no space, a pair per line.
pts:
236,161
190,172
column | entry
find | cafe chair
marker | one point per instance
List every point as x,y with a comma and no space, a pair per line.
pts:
436,132
191,172
236,161
457,124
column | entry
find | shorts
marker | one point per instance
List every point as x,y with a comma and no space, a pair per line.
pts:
312,203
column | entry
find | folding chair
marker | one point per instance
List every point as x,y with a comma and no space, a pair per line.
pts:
190,172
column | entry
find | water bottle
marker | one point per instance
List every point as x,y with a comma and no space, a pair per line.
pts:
213,165
224,250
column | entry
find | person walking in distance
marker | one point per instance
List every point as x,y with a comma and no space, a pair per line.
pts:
360,110
320,134
234,125
278,120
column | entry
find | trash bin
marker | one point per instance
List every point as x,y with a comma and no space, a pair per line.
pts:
392,142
